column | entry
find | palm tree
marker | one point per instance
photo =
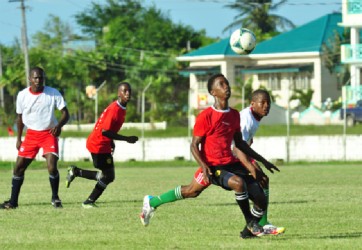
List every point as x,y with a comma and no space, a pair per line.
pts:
255,15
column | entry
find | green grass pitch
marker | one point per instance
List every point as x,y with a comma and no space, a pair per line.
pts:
319,204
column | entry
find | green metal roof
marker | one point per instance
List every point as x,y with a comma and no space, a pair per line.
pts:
306,38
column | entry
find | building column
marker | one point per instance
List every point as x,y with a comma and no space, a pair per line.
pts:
354,69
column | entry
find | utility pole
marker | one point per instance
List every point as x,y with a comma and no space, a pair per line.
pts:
24,39
143,120
2,102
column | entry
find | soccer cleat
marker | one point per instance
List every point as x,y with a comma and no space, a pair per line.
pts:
57,203
89,205
273,230
70,175
7,205
255,228
147,211
246,234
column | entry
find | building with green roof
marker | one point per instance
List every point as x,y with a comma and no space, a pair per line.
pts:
289,61
351,54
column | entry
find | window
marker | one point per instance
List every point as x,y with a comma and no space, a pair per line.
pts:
301,81
270,81
202,82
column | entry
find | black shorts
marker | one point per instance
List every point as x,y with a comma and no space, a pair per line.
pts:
221,174
102,161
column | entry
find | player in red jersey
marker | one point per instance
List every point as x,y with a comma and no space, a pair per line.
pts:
35,107
101,145
214,130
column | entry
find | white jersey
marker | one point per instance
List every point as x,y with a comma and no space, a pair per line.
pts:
249,124
37,109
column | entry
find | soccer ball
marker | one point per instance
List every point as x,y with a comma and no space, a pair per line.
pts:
242,41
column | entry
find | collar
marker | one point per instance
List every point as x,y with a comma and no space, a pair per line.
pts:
219,110
36,93
120,105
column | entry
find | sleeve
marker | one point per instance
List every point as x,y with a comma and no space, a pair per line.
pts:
201,126
244,126
107,118
59,100
237,123
19,106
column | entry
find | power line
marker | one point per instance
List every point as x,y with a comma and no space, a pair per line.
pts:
286,3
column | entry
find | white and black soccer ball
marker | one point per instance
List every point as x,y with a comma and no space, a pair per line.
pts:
242,41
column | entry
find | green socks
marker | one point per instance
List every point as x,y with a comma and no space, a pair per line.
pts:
264,220
170,196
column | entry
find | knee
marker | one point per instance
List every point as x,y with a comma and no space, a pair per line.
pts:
107,179
190,192
111,179
19,171
52,168
237,184
53,171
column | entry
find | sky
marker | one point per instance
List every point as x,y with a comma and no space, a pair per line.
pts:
200,14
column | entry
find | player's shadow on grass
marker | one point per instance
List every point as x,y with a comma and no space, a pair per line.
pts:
70,203
342,236
335,236
292,202
275,202
138,201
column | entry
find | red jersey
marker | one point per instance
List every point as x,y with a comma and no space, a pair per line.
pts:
218,128
111,119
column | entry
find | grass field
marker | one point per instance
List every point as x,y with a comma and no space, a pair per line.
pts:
319,204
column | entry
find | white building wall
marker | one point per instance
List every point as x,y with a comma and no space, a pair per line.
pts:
352,18
323,84
317,77
302,148
329,87
317,84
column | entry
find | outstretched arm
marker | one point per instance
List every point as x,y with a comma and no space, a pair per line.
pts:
114,136
244,147
253,168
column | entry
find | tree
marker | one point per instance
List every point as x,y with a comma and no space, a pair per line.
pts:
68,69
131,43
11,81
331,56
304,96
256,16
55,34
140,44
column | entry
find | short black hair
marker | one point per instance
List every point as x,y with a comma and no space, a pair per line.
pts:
211,80
124,83
37,69
258,92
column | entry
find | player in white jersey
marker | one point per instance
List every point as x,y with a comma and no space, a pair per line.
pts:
250,118
35,107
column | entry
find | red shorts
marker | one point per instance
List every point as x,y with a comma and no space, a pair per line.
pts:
34,140
198,176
